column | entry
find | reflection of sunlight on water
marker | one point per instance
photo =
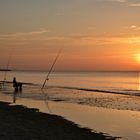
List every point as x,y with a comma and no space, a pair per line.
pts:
139,81
114,122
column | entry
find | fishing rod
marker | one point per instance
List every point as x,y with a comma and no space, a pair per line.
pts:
54,62
47,78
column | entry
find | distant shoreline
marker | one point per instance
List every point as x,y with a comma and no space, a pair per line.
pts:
71,71
5,70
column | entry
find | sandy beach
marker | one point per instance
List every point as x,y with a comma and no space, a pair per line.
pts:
19,122
91,98
100,102
98,99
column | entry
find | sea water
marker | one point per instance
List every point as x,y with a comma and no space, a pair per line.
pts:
123,123
119,82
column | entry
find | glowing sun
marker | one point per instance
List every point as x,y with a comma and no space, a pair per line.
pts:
138,58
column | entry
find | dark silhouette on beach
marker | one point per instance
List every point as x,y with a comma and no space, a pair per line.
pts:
17,85
21,123
17,88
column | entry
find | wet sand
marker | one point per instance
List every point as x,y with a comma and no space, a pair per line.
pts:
19,122
92,98
98,99
120,123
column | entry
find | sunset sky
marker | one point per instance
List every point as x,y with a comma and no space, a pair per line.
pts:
94,34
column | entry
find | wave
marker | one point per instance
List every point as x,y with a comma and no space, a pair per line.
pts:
33,86
115,91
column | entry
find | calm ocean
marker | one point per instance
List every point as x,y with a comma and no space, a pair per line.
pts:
119,82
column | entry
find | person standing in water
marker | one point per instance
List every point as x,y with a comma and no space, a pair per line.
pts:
15,84
18,88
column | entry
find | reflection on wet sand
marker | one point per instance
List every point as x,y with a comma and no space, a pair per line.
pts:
119,123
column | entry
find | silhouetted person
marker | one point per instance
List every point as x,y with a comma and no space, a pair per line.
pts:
18,88
16,85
